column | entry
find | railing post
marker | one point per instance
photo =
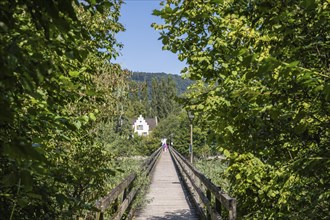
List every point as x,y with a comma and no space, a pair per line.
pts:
116,205
217,206
124,194
232,209
209,197
191,144
200,186
99,216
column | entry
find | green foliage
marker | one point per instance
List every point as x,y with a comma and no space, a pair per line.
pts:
157,100
50,108
181,84
176,128
214,169
263,89
139,100
130,146
163,93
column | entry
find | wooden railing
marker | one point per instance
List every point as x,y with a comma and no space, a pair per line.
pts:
209,200
121,197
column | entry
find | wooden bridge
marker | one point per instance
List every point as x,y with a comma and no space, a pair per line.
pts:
168,199
177,191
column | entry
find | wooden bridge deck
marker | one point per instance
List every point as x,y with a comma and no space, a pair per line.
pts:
166,197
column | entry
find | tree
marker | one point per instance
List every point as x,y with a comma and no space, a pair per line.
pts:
137,106
176,128
263,88
145,99
49,54
163,93
181,83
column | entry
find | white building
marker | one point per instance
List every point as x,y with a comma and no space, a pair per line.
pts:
143,126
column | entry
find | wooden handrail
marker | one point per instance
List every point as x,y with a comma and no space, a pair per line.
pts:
124,193
104,203
192,177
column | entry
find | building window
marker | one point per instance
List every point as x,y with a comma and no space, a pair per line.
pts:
139,127
145,134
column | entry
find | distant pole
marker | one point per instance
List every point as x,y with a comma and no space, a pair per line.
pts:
191,117
191,144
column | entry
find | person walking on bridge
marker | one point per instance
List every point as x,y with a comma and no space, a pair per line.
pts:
165,147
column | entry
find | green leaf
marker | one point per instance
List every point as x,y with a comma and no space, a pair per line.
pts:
271,193
85,118
225,65
77,124
230,129
156,12
92,116
168,9
242,51
293,64
74,73
226,153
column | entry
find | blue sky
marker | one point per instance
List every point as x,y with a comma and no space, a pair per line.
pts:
142,50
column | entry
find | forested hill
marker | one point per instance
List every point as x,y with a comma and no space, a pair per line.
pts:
182,84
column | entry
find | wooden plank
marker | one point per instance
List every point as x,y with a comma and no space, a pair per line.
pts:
206,202
191,188
167,199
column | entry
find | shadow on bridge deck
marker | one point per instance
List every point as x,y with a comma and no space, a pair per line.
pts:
177,215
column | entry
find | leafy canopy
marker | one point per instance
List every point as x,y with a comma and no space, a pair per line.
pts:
263,88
